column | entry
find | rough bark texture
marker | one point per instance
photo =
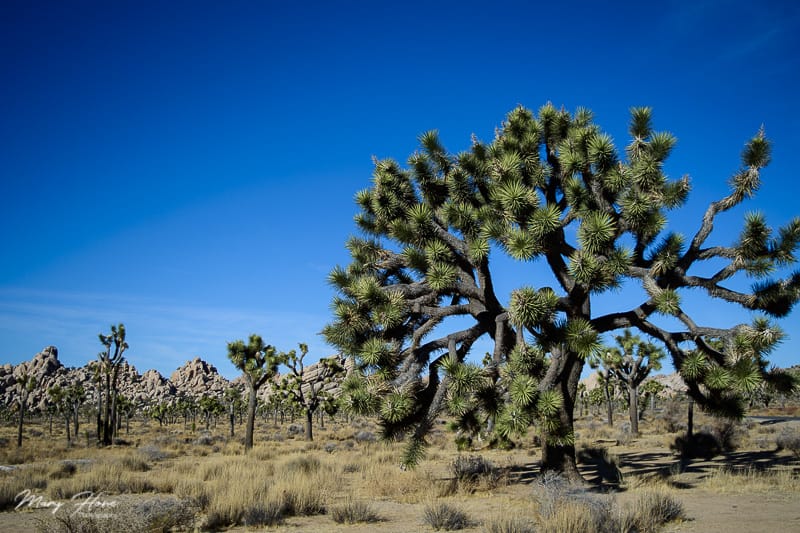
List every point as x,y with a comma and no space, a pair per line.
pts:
560,457
633,409
251,415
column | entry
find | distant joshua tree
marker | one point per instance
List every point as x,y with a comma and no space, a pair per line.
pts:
25,384
58,397
308,391
211,407
75,396
259,363
233,403
631,363
650,391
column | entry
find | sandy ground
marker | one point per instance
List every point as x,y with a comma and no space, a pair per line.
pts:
706,510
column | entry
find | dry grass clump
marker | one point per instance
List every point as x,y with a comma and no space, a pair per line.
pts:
565,507
727,481
569,508
354,512
444,516
580,516
243,490
388,481
509,524
652,509
16,480
32,450
107,477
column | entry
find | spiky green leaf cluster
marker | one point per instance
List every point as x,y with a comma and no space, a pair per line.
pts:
530,307
667,302
582,338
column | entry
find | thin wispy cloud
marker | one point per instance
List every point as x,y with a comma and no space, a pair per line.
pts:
163,335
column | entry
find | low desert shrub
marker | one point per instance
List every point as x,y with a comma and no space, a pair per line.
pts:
63,469
789,439
701,444
469,473
162,513
354,512
156,515
445,516
153,453
365,436
295,430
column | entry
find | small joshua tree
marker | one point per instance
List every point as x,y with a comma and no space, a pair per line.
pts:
650,391
307,390
232,400
631,363
259,363
60,401
25,384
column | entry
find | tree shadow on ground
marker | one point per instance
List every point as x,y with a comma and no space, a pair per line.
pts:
666,465
605,472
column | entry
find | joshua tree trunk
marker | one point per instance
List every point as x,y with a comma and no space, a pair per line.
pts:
19,426
609,404
99,414
232,419
251,418
66,425
633,409
690,419
309,424
559,456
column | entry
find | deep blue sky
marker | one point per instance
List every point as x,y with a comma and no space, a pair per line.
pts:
188,168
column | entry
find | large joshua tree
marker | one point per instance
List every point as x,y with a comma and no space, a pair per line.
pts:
552,187
258,362
110,361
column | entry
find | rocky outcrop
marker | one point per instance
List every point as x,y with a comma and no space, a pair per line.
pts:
155,386
673,383
196,378
45,368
